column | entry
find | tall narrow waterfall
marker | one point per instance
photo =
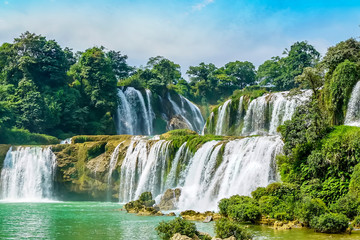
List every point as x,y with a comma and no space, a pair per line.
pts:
353,109
27,174
216,170
133,117
221,117
260,116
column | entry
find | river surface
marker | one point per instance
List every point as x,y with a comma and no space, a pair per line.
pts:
102,220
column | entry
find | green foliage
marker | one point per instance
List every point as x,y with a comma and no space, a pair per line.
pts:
258,193
309,208
347,205
178,225
345,50
240,208
225,228
338,89
145,200
354,187
330,223
281,72
97,149
245,212
356,222
46,89
145,196
24,137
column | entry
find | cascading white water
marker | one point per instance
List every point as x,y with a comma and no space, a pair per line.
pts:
149,108
124,123
171,178
194,114
135,116
267,112
113,160
221,117
132,116
352,117
262,116
27,174
246,164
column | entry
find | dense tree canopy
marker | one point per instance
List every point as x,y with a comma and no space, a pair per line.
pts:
281,72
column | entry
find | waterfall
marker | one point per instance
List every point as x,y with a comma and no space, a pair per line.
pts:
150,111
352,117
132,116
27,174
216,170
262,116
221,117
135,114
171,178
113,161
246,164
189,112
194,113
124,115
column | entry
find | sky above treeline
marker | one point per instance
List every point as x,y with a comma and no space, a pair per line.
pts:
185,31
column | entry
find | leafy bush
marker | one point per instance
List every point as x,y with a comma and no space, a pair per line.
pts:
244,212
24,137
258,193
356,222
147,199
347,205
277,208
330,223
225,228
309,208
354,187
226,203
178,225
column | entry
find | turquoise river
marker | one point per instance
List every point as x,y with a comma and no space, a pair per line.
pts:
104,220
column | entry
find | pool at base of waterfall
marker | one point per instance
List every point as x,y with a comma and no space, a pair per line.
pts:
104,220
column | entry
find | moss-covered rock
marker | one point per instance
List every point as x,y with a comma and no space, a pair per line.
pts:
197,216
3,150
144,206
170,199
83,167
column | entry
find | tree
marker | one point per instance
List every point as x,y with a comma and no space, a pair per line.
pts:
167,71
118,63
242,74
97,78
311,78
345,50
281,72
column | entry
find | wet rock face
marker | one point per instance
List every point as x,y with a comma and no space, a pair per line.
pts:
170,199
177,122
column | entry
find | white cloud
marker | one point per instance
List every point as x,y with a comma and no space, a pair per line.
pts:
200,6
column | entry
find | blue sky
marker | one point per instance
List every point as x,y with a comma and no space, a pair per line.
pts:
185,31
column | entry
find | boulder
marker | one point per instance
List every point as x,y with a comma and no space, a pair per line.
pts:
197,216
170,199
178,236
177,122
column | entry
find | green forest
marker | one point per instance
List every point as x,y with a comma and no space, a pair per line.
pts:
48,89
